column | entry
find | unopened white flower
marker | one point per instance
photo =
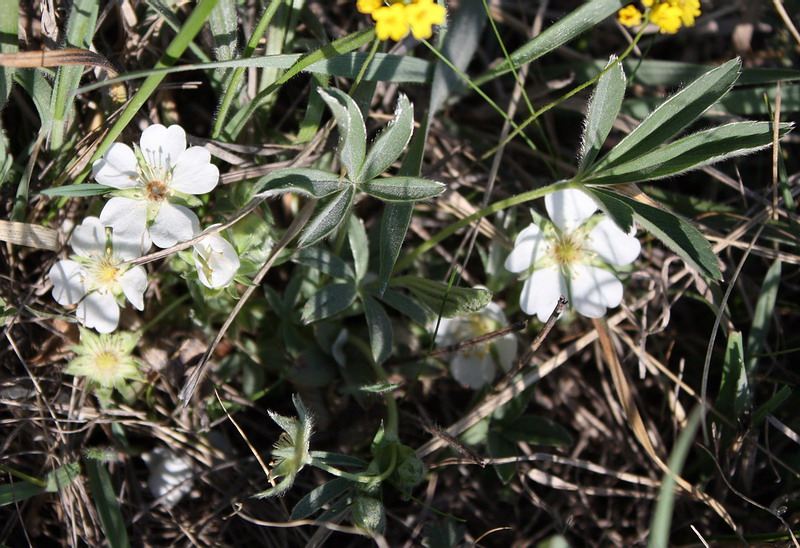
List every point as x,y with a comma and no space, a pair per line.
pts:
170,476
216,261
475,366
570,257
155,185
94,278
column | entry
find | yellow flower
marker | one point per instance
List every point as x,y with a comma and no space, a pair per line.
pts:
629,16
422,15
391,22
368,6
667,17
691,9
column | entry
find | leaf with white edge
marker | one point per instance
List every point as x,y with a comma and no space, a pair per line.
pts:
328,217
619,212
394,225
359,246
328,301
449,301
678,234
324,261
352,131
314,183
391,143
320,496
381,387
381,335
692,152
402,189
602,112
673,115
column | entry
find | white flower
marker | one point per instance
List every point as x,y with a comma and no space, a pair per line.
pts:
155,184
94,279
170,476
216,261
567,257
475,365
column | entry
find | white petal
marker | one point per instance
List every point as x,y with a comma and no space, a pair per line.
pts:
541,291
569,208
194,173
127,217
173,224
613,245
494,312
117,167
593,290
89,238
162,146
134,283
67,279
170,476
127,246
529,246
474,371
214,256
100,311
506,348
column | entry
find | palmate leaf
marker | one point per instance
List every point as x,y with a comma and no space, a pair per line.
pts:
352,131
390,144
602,112
692,152
402,189
314,183
328,217
677,234
672,116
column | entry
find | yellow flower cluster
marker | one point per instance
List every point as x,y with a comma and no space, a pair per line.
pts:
395,19
667,15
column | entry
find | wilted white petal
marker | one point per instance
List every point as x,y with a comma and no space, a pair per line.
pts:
173,224
67,279
99,311
593,290
89,238
127,217
162,146
472,369
541,291
613,245
134,284
216,261
194,173
569,208
170,476
117,167
529,246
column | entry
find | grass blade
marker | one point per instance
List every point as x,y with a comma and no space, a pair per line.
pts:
105,500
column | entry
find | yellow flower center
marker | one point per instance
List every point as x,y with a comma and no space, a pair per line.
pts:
106,362
157,191
567,249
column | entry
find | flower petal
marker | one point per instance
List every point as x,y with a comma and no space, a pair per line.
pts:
474,371
117,167
162,146
100,311
541,291
67,279
127,217
529,246
613,245
127,247
134,283
593,290
173,224
89,238
216,261
506,348
194,173
569,208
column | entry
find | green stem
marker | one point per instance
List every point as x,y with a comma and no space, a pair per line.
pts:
392,422
360,478
485,212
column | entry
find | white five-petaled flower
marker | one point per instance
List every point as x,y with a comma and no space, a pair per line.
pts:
94,278
567,257
216,261
155,184
475,366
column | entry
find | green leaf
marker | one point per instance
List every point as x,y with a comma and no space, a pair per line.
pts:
602,112
692,152
501,448
673,115
380,329
394,224
314,183
18,491
677,233
61,477
451,302
105,500
772,404
384,67
368,513
762,316
324,261
734,392
326,493
562,31
89,189
329,216
620,213
536,430
391,143
407,306
328,301
9,21
359,246
352,131
381,387
402,189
